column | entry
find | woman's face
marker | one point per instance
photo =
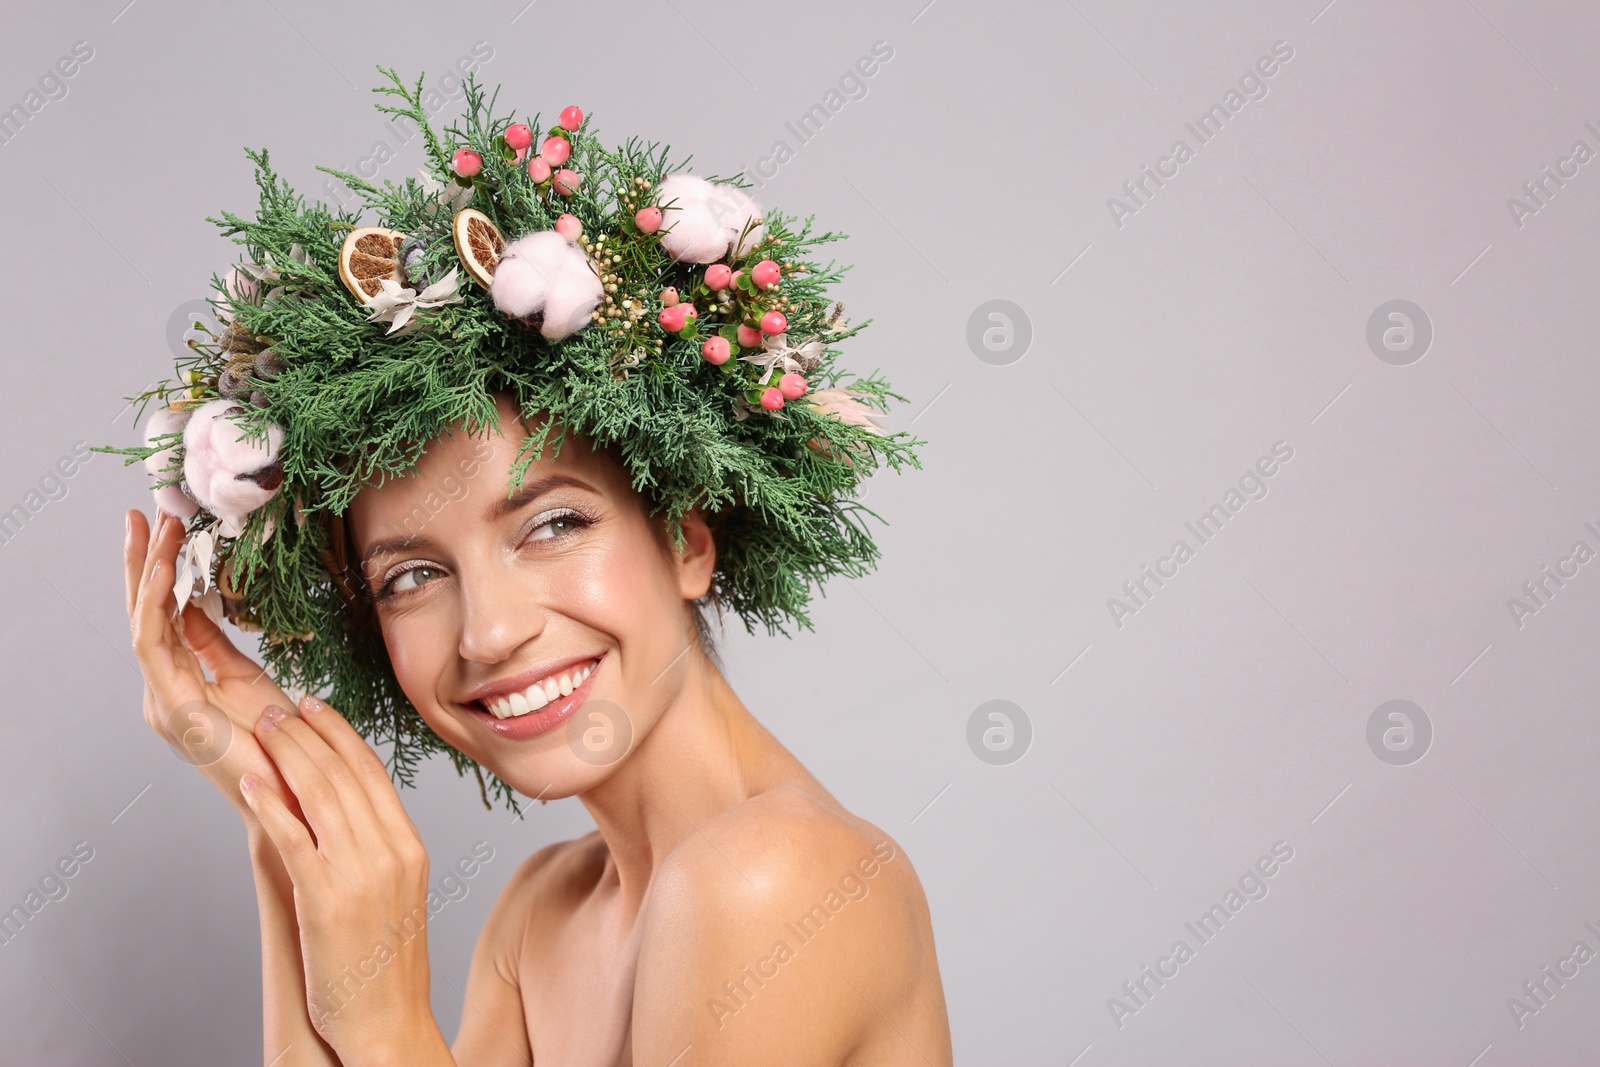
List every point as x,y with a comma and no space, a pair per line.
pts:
543,634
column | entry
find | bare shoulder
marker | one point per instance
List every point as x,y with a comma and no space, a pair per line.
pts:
539,896
781,924
787,841
556,877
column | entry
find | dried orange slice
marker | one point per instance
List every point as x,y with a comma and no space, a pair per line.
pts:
368,256
478,243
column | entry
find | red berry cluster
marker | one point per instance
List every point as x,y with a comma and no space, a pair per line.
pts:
753,321
513,145
743,298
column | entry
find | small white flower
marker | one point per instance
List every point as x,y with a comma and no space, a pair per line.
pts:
776,351
269,273
396,305
460,195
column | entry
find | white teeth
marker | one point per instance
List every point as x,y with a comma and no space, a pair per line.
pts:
539,694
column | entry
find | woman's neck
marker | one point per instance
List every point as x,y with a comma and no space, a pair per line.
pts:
705,755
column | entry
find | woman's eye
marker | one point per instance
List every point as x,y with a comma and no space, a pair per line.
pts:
559,526
406,581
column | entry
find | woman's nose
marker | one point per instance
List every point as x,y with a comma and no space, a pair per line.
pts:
499,614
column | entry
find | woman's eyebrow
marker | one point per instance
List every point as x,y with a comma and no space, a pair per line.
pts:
529,492
393,546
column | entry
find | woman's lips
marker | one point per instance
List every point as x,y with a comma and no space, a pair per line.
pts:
547,718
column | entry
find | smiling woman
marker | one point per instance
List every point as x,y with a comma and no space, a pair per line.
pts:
495,527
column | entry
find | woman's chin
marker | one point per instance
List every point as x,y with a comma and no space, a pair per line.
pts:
556,779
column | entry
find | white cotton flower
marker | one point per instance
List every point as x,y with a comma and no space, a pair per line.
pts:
163,464
230,475
543,274
242,287
702,220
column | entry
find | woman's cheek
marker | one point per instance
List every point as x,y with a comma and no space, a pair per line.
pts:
418,648
608,590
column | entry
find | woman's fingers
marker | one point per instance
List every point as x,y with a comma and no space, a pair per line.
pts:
287,833
215,652
153,595
171,671
204,637
145,541
133,553
367,765
328,793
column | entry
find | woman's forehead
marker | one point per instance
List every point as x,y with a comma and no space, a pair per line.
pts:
474,463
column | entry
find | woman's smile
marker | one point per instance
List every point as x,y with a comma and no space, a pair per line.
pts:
536,701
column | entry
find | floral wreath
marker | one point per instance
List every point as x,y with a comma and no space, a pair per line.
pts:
661,315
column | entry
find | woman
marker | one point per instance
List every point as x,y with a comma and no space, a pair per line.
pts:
697,917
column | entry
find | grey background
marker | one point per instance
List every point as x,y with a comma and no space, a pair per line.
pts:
1227,314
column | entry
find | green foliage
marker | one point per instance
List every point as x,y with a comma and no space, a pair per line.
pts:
357,405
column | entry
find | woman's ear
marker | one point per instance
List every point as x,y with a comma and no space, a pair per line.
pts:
696,558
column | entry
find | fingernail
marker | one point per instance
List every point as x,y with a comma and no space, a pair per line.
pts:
271,716
312,704
127,525
249,782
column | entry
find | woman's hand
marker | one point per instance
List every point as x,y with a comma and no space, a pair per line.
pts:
210,722
360,876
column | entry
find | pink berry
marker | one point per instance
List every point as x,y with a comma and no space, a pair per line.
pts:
557,150
765,274
673,319
466,162
718,276
748,338
792,386
716,350
518,135
571,117
690,314
648,219
669,297
567,182
569,227
736,276
522,153
774,322
538,169
771,399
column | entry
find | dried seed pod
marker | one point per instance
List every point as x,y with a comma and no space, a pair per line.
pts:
234,382
234,339
411,252
269,364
